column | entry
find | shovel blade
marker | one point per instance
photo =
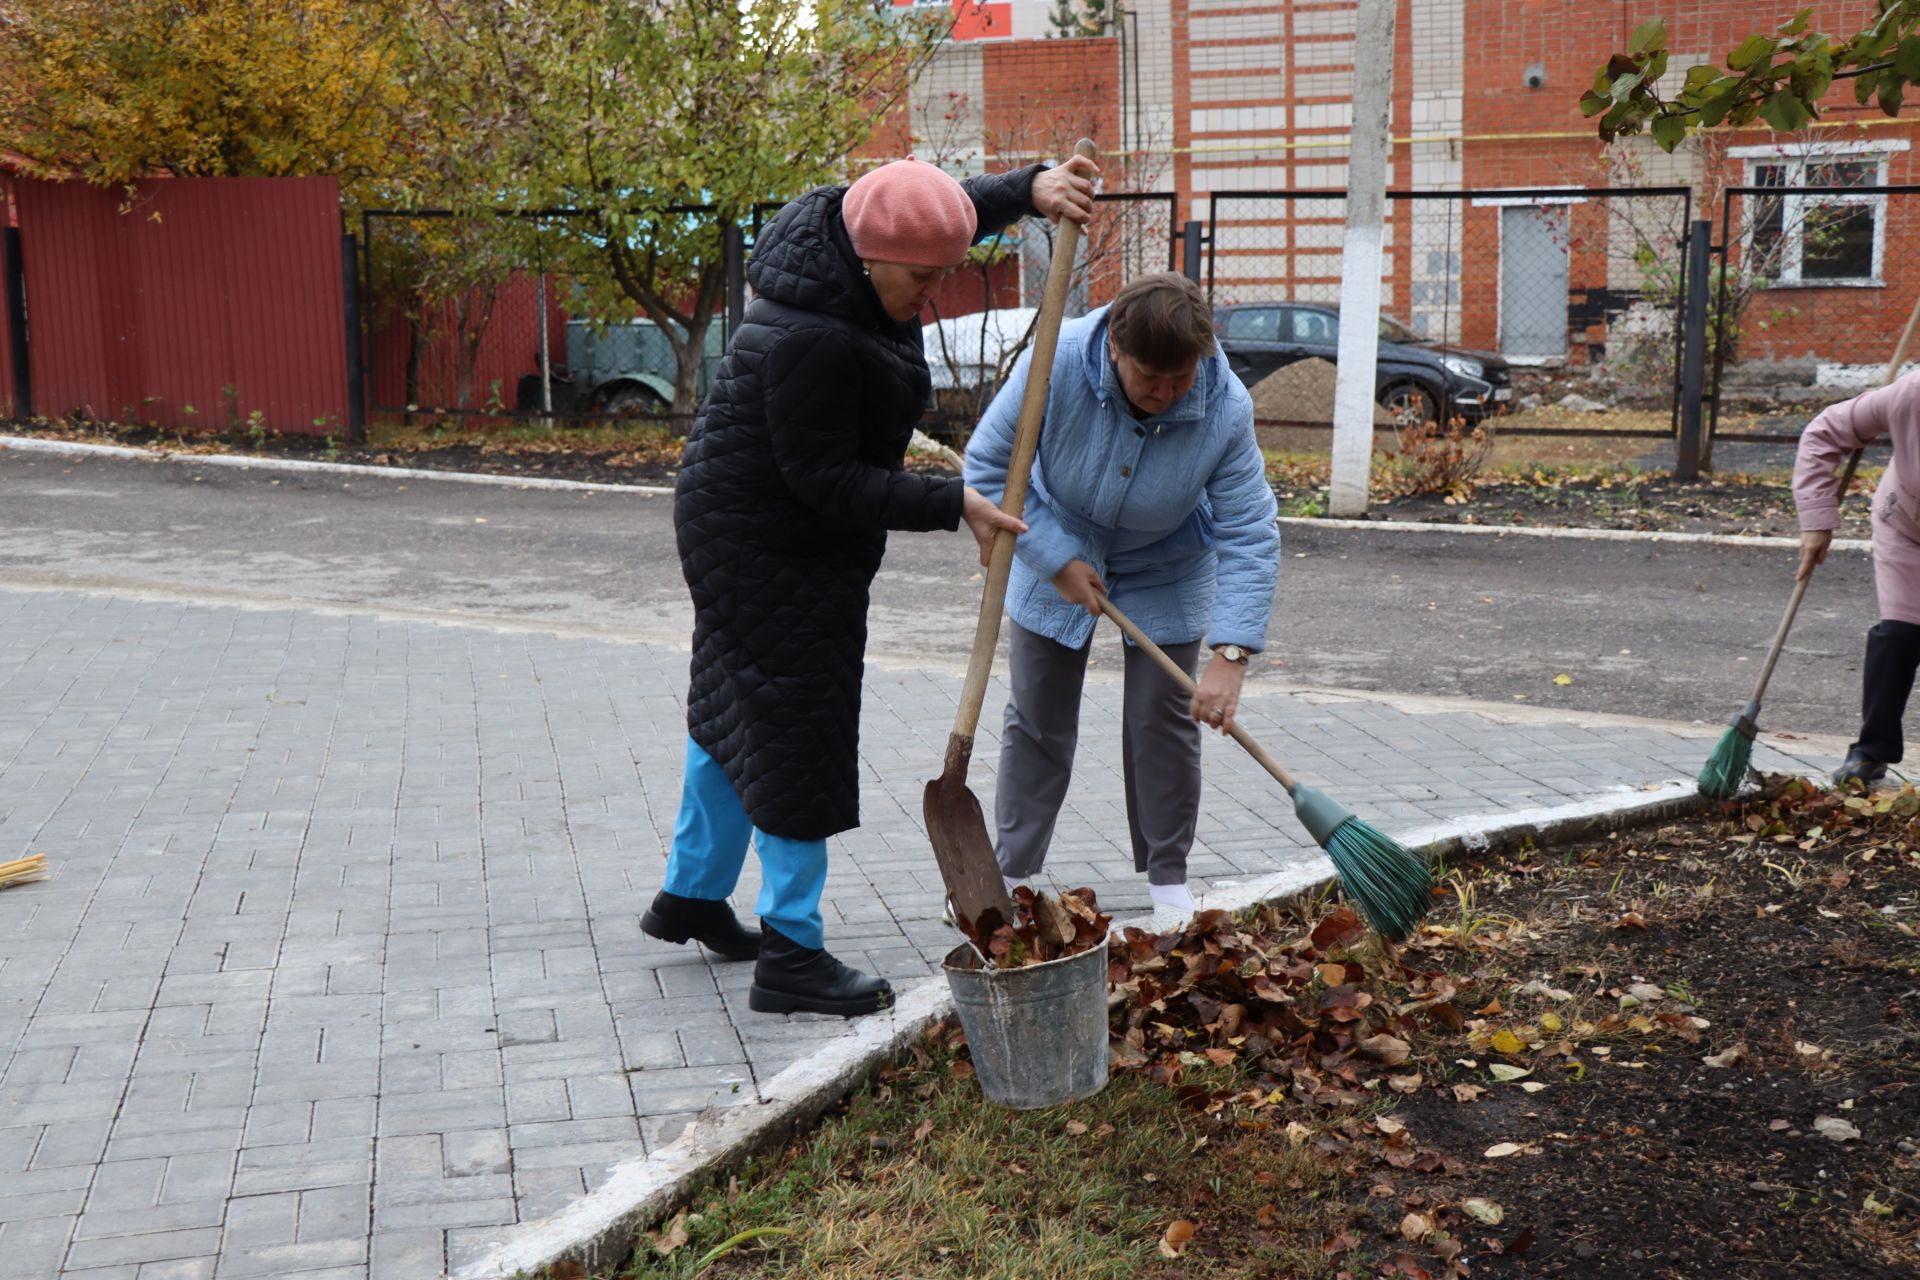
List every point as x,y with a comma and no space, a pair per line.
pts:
957,829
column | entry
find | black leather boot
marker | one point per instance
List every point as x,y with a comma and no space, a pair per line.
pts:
790,978
706,921
1859,769
1886,679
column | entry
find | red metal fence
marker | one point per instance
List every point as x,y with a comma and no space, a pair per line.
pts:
7,407
464,354
192,302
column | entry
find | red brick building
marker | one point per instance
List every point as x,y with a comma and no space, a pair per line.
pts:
1199,98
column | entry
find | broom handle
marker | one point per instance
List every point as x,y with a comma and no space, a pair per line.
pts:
1185,681
1799,594
1900,353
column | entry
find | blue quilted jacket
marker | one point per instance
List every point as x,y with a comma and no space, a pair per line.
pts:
1173,511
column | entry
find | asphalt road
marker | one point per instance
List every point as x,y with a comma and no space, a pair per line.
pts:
1653,629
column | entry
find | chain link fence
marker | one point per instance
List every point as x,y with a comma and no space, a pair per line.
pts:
1538,312
537,315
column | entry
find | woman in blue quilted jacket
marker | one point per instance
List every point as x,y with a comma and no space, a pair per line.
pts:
1148,486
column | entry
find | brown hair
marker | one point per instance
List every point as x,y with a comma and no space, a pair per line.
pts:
1162,320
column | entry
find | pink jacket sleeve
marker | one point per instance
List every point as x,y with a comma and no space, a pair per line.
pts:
1837,432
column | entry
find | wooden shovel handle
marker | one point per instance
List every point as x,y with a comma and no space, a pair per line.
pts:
1185,681
1026,440
1900,353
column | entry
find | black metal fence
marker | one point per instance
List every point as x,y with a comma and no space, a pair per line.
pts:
538,313
1494,302
541,314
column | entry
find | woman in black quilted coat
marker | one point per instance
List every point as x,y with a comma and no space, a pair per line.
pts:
792,478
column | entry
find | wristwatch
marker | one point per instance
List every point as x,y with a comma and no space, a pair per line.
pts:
1233,652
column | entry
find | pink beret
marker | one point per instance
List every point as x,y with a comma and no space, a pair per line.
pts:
912,212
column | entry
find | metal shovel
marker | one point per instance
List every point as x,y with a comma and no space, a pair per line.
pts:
955,824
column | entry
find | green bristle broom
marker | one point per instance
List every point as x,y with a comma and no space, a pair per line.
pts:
1389,882
1726,768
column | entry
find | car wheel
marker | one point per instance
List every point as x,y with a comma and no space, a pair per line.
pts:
1409,405
634,400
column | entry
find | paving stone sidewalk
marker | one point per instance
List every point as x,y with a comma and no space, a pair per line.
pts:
340,971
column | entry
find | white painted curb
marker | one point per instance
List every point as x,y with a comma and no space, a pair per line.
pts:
598,1229
245,462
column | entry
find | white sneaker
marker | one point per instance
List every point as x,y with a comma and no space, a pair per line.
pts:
1173,906
1170,919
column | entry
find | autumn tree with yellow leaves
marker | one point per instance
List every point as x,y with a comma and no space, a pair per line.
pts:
630,111
626,111
115,90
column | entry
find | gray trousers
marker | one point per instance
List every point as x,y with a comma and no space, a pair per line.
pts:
1159,751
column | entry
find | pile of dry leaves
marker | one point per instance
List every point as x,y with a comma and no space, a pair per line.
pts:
1044,928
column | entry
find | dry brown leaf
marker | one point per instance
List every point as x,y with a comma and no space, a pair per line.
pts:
1731,1056
672,1236
1076,1128
1387,1049
1467,1092
1416,1227
921,1130
1054,923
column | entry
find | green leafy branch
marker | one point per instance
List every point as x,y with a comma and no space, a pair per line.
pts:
1778,79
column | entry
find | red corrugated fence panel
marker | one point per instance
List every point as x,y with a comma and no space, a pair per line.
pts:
477,348
196,302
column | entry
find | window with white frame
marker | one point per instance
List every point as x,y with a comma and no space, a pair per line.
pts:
1833,235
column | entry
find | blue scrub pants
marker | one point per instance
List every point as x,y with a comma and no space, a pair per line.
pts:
710,846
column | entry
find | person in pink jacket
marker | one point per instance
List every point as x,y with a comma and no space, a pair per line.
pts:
1893,643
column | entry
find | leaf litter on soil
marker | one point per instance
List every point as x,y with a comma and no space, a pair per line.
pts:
1683,1051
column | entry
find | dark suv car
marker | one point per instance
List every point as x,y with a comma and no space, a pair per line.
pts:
1416,380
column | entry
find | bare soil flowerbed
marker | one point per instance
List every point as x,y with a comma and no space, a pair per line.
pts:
1629,500
1685,1051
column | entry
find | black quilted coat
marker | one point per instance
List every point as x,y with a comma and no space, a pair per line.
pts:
792,477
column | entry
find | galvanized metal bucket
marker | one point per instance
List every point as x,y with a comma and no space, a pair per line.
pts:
1038,1033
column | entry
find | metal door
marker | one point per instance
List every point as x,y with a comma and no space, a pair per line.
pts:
1533,281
